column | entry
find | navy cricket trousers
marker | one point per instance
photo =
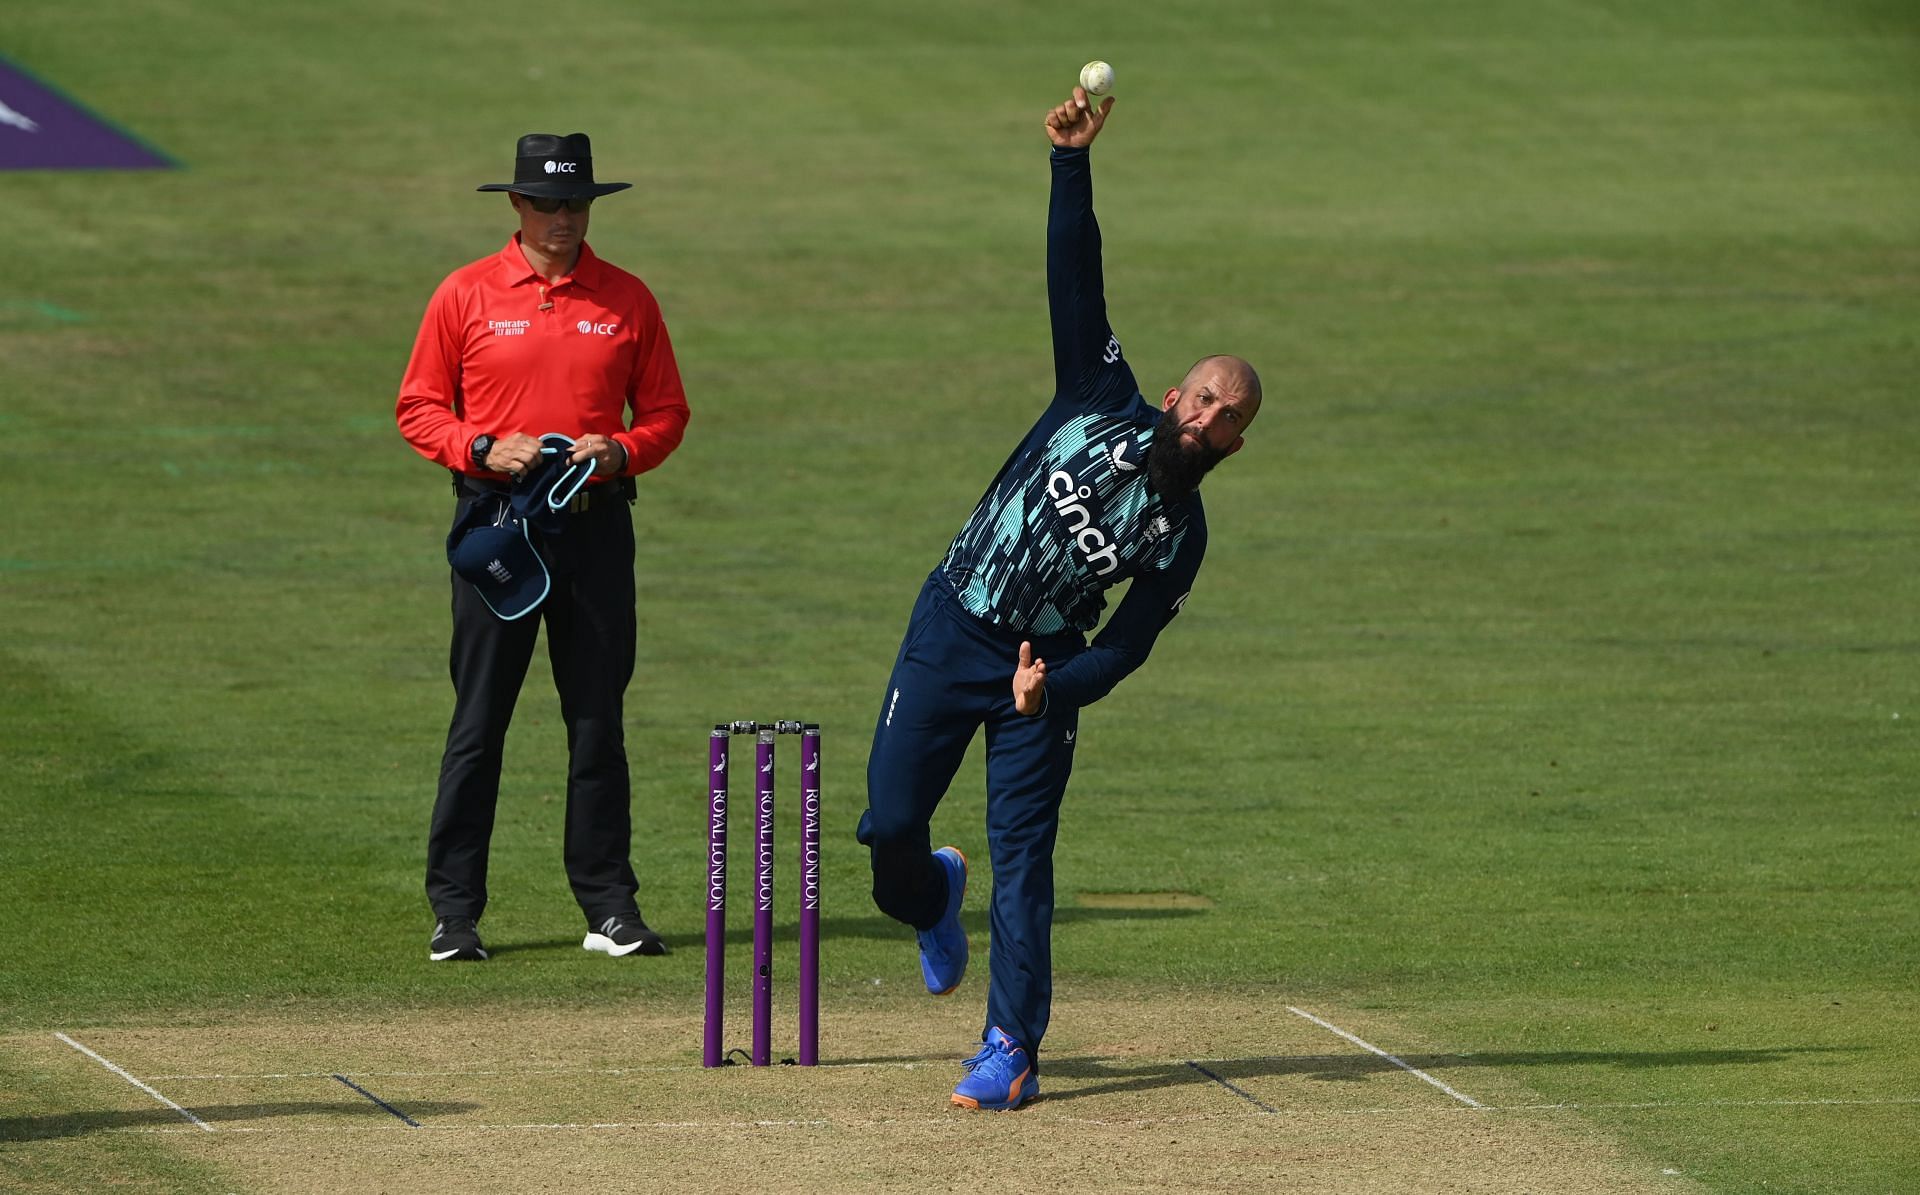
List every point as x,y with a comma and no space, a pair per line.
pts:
954,675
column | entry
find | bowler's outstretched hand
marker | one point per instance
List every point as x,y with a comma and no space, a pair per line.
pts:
1029,682
1074,124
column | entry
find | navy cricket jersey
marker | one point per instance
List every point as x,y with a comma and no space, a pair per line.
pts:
1071,513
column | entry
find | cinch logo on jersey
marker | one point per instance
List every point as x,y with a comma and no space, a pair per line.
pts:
509,327
561,167
1113,350
588,327
1069,502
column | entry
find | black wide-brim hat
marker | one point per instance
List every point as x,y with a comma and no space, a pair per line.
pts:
549,166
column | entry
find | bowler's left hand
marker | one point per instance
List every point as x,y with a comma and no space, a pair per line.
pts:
608,457
1029,683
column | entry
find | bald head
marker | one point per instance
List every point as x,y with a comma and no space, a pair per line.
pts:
1229,371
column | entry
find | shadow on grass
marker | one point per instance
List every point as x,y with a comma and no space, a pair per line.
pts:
549,946
1352,1068
875,928
884,929
79,1124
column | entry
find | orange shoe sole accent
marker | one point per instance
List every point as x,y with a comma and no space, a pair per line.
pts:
1013,1093
969,1102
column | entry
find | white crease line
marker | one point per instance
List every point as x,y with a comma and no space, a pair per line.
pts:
1109,1122
137,1083
666,1068
705,1125
1412,1070
515,1074
1897,1100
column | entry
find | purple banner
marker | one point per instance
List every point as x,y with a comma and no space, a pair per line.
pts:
40,129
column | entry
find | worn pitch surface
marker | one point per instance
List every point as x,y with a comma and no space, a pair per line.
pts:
1188,1094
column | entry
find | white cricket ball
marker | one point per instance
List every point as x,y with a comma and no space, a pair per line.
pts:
1096,77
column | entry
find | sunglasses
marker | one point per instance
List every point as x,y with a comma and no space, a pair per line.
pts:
547,207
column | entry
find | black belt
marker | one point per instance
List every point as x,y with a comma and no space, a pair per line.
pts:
590,497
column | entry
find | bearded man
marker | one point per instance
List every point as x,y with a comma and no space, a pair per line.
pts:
1103,489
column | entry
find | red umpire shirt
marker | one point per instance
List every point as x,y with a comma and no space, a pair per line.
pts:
500,351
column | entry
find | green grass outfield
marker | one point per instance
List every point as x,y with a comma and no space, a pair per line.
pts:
1551,688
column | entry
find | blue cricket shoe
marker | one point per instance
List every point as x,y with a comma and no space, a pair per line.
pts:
943,949
1000,1077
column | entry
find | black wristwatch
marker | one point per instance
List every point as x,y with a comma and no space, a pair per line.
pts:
482,445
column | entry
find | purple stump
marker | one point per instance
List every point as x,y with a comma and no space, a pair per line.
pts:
763,902
810,895
716,892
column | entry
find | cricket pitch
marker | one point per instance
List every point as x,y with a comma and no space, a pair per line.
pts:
1180,1093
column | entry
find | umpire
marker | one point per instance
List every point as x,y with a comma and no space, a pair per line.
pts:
543,339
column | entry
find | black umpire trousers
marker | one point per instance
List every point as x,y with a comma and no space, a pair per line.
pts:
589,615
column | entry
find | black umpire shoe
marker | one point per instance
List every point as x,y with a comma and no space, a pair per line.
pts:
456,938
622,935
